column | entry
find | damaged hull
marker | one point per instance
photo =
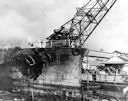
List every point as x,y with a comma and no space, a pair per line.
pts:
51,66
56,70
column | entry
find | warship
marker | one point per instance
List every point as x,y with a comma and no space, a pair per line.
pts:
56,69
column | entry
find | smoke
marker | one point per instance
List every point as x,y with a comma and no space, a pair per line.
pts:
11,26
36,19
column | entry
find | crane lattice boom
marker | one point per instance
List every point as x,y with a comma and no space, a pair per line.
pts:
76,31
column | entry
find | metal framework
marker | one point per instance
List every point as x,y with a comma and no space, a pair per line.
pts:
84,22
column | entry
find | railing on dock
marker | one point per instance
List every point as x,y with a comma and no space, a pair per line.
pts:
105,78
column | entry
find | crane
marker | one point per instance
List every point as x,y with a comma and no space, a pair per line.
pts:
72,35
76,31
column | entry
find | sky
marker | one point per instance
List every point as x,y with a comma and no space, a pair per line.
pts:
23,20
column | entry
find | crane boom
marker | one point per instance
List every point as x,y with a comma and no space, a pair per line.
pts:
76,31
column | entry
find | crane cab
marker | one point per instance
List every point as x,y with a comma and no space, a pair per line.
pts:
62,38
